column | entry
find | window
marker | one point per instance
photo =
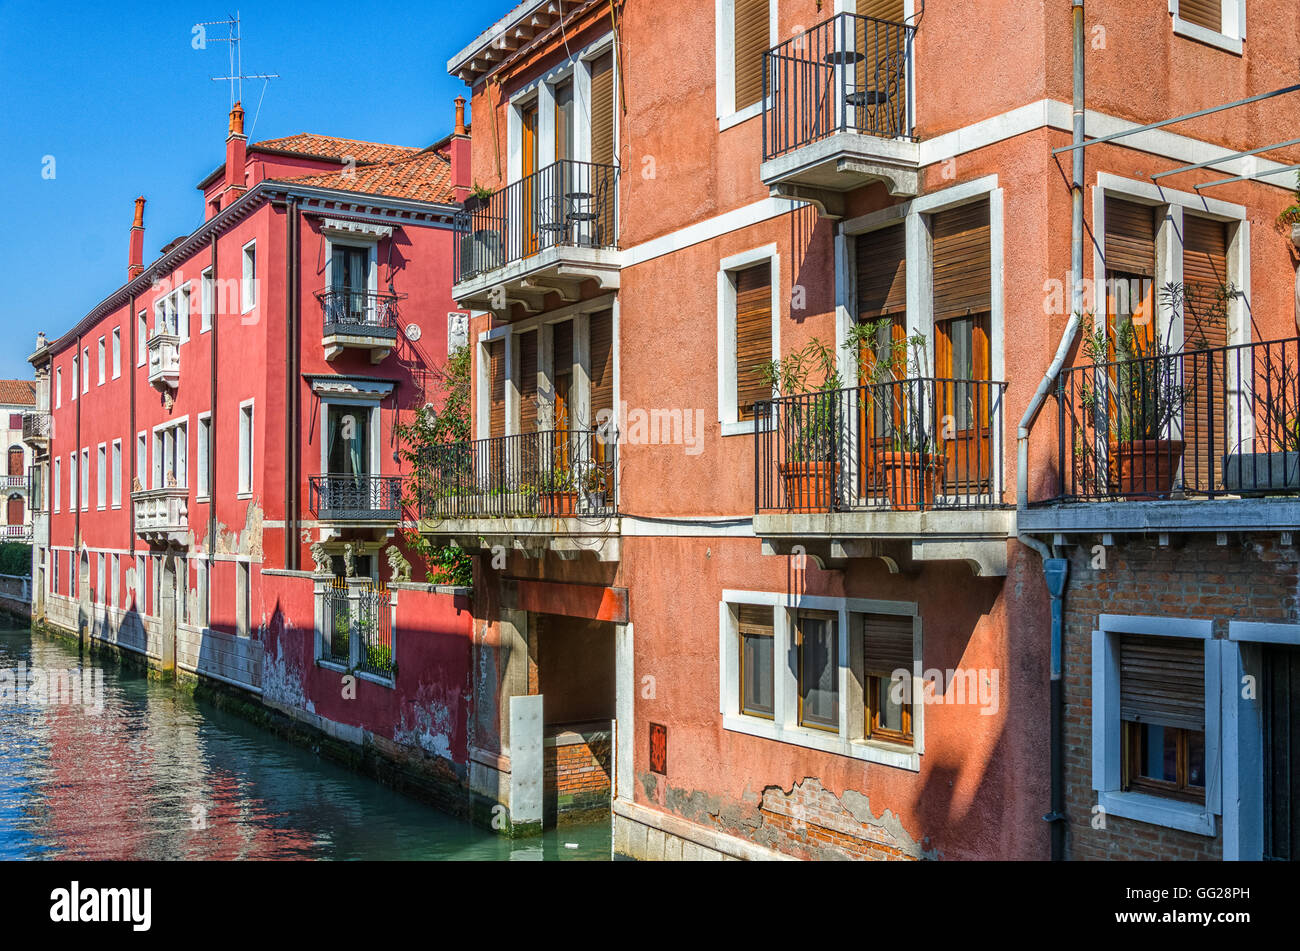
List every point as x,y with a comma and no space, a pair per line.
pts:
1155,704
141,338
85,370
117,473
201,582
57,558
181,588
170,456
84,479
1220,23
58,476
242,602
207,300
182,305
745,32
155,600
101,476
141,460
757,667
817,645
117,352
74,376
246,448
99,579
102,361
748,302
248,286
58,387
117,582
204,449
141,585
72,481
887,659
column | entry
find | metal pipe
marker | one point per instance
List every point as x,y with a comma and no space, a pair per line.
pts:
1225,158
212,426
1242,178
1164,122
1056,572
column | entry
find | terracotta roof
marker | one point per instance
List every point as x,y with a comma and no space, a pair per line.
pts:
17,393
425,176
332,147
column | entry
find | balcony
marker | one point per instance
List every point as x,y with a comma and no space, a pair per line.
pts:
555,490
164,361
37,428
1199,440
544,234
355,499
18,533
905,471
162,515
13,482
360,320
839,115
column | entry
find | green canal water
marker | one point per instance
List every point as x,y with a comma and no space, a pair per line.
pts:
157,774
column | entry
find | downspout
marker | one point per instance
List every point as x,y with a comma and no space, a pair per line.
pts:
212,425
129,448
1056,570
76,499
291,543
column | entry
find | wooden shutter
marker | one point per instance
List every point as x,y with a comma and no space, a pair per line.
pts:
751,42
881,9
882,273
962,264
1162,681
886,643
497,388
602,109
753,336
527,381
1130,237
562,347
1205,273
1206,13
755,619
1205,327
602,364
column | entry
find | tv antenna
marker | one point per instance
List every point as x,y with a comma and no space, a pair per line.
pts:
236,74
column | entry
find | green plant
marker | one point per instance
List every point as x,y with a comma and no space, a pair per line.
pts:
15,559
811,377
1291,214
480,192
894,395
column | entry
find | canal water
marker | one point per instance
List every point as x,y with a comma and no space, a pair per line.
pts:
156,774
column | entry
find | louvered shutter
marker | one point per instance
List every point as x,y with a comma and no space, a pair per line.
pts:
882,273
562,346
602,365
1205,328
1205,274
751,42
886,643
1130,237
497,388
881,9
1162,681
1206,13
753,336
755,619
602,110
527,381
962,275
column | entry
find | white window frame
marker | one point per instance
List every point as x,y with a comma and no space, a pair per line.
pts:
1107,729
725,62
116,566
58,475
76,382
728,406
784,726
142,338
207,299
177,431
58,387
99,579
202,452
83,480
1232,38
243,598
101,476
371,406
103,359
203,587
85,370
117,473
246,454
117,352
141,584
248,277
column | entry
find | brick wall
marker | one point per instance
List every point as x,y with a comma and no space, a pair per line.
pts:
1252,578
578,769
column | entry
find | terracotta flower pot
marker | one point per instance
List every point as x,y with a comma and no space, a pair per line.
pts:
810,486
910,481
1147,467
559,503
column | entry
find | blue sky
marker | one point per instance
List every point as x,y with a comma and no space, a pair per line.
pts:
124,104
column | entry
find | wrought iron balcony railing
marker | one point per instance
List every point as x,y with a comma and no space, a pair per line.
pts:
902,445
557,473
36,426
1206,423
566,204
366,498
358,313
848,74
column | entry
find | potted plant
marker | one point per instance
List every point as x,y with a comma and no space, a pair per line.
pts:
1289,219
898,406
1136,399
557,491
808,424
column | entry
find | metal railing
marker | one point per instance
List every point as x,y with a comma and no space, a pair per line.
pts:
848,74
566,204
335,497
1223,421
375,654
901,445
36,425
557,473
337,645
357,312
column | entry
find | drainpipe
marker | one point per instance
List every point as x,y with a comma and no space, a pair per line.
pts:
1056,570
291,455
212,422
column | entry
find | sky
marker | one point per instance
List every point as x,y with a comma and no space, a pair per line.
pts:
104,102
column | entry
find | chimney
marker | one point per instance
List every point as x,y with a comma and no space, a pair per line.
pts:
236,158
135,254
460,167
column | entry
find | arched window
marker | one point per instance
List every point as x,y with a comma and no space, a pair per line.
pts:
16,461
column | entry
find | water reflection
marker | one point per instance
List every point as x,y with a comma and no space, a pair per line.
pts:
156,775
